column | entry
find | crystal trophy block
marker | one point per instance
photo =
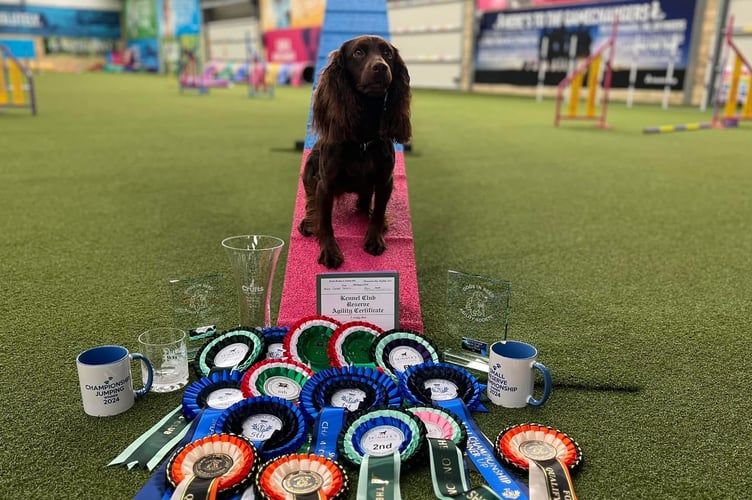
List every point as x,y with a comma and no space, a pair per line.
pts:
199,306
477,313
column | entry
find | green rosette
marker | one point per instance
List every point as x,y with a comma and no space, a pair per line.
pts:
308,341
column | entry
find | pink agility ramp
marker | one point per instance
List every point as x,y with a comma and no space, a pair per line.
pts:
344,20
299,292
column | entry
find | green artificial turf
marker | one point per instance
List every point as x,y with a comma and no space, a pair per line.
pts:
629,257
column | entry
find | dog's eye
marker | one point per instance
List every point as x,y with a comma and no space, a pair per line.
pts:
387,53
359,53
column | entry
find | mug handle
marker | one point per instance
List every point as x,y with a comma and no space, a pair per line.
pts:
546,385
149,379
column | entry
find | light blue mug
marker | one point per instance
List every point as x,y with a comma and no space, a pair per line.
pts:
104,375
511,374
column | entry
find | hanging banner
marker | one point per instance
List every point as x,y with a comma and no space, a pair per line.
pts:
291,29
141,19
485,5
652,35
49,21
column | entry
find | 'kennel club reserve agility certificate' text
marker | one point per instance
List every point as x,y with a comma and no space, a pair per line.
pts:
371,297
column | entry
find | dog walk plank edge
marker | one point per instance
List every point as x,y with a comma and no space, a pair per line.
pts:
299,292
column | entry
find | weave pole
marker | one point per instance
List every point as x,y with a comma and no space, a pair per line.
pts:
573,81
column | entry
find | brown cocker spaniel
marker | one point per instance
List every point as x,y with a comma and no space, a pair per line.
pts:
360,108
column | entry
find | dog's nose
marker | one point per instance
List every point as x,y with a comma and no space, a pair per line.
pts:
379,67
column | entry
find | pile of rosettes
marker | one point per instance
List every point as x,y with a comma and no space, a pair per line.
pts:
274,410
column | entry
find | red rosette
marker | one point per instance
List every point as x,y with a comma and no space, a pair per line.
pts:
518,444
351,344
308,339
227,460
297,475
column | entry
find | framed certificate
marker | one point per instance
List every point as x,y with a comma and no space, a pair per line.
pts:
367,296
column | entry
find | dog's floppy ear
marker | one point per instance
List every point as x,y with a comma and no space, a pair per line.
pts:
334,105
397,117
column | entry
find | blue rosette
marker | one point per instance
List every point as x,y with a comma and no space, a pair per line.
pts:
432,383
218,391
355,388
275,425
382,432
274,338
235,349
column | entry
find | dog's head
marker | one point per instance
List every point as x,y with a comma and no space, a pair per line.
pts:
366,66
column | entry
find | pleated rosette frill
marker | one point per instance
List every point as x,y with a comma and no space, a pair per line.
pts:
235,349
396,350
308,341
382,432
351,344
301,476
283,378
275,425
430,383
352,387
218,465
218,391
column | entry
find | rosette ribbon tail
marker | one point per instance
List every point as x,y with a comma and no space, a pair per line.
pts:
154,444
329,425
481,453
449,476
379,477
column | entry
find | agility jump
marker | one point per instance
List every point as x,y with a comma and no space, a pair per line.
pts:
730,115
592,68
16,83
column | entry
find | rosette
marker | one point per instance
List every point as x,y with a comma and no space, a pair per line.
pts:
235,349
301,476
435,382
218,391
351,344
396,350
274,338
441,423
379,433
275,377
308,339
547,453
219,464
518,443
350,387
276,426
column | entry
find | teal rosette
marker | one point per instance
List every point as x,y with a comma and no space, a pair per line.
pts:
235,349
382,432
396,350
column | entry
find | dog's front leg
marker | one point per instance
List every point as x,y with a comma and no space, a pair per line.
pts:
330,256
374,243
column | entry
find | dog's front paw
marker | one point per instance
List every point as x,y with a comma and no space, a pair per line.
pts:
375,245
331,257
305,227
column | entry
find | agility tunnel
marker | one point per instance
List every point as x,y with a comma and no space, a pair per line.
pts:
16,81
598,68
344,20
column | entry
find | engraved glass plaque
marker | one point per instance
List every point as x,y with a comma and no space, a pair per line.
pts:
199,306
477,314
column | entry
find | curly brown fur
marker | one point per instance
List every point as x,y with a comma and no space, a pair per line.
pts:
360,108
